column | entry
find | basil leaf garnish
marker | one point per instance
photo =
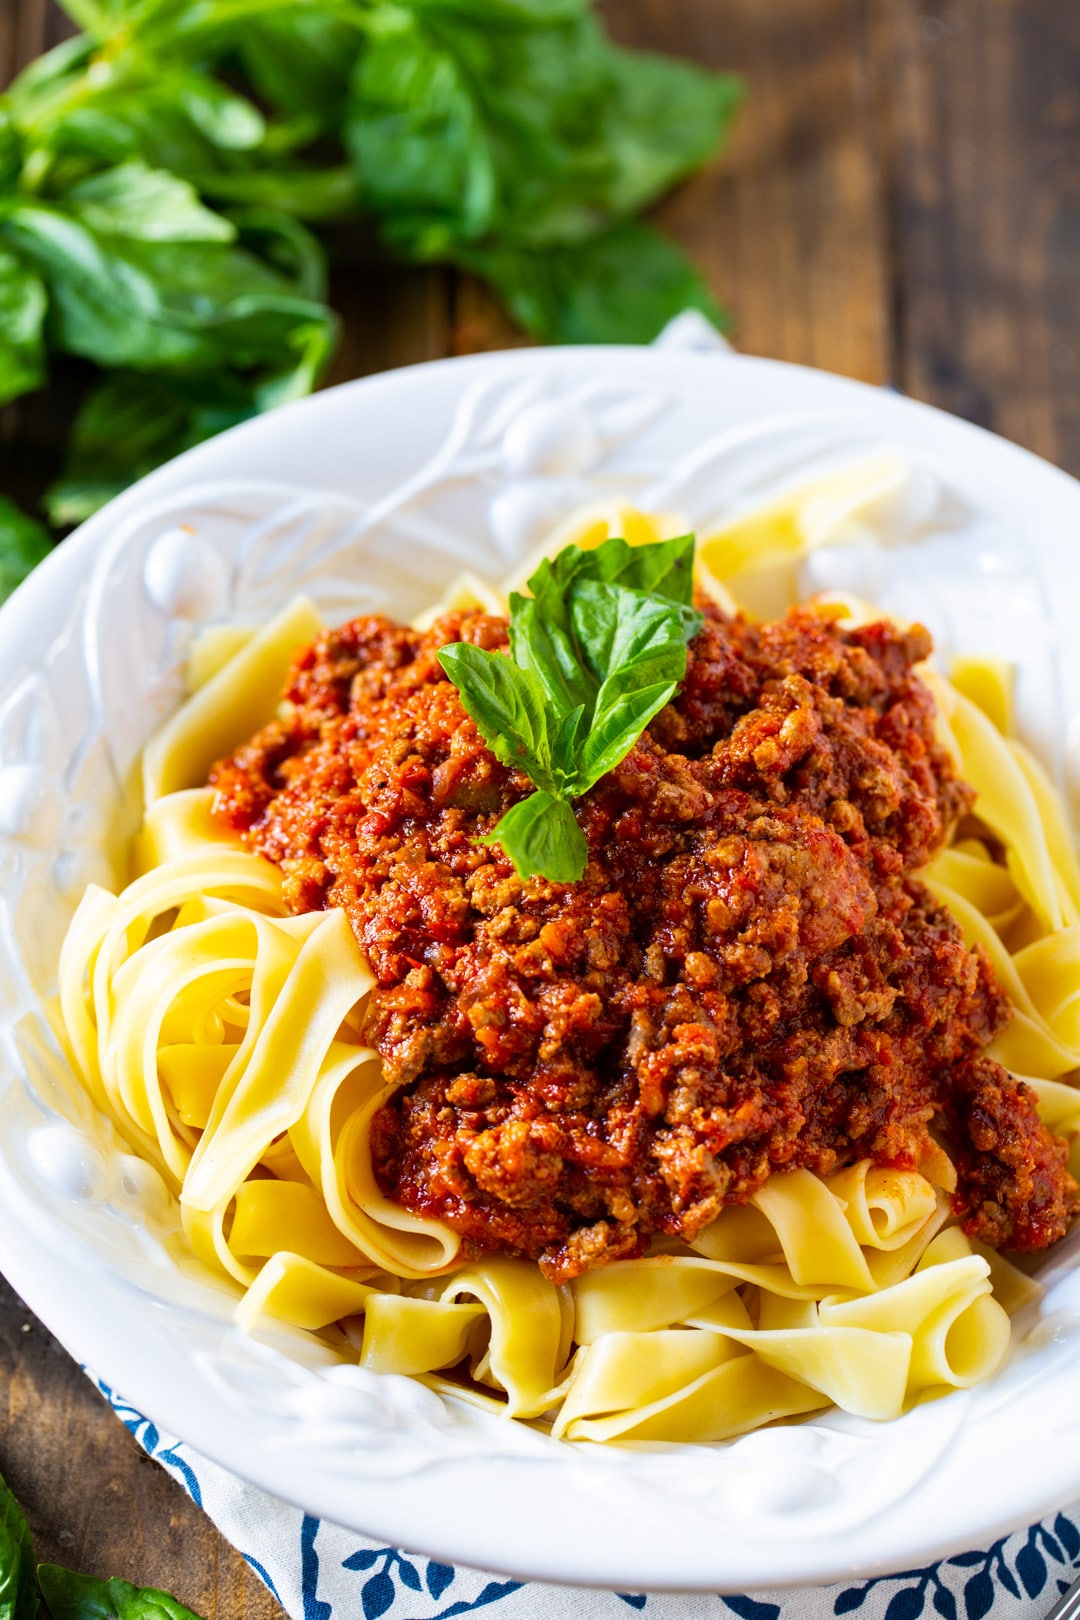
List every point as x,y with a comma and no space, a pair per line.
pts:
596,651
542,837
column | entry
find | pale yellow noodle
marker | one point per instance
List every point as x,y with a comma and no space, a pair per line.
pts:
222,1037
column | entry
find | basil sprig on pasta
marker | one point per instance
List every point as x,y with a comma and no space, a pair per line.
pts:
596,651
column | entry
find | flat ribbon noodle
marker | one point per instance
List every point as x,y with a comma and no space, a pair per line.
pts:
405,1335
331,1141
1007,805
231,706
1029,1044
226,1040
525,1314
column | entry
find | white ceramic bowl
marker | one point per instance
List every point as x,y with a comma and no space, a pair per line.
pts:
374,495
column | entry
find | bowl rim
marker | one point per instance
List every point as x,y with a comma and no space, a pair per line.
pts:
44,1278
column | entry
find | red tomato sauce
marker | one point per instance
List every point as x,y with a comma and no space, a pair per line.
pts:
748,978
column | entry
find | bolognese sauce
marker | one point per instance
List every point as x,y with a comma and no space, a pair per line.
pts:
748,978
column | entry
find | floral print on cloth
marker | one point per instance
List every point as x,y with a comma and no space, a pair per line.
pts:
318,1571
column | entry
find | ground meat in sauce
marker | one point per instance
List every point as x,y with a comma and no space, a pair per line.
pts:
748,978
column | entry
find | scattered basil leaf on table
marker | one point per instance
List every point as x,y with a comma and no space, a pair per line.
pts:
313,195
596,651
300,61
73,118
68,1595
86,1597
18,1592
132,422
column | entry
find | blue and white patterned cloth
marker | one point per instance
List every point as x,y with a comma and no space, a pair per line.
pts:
318,1571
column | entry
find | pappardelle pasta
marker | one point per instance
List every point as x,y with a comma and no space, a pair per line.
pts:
226,1034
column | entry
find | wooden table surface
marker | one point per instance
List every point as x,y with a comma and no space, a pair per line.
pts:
900,203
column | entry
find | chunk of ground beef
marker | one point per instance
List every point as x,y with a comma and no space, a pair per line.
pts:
749,977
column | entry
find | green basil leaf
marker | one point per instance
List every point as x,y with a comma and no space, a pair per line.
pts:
592,661
228,121
129,108
18,1591
541,641
146,306
565,745
580,627
310,194
301,61
665,568
541,836
43,80
131,423
23,544
623,286
23,304
11,153
305,353
100,17
285,245
527,12
619,721
88,137
519,126
86,1597
148,205
508,706
619,631
417,139
665,119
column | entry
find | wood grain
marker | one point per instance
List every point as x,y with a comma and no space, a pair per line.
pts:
788,223
94,1500
901,201
979,102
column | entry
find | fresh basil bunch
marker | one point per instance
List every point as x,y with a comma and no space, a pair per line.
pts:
596,651
154,217
69,1596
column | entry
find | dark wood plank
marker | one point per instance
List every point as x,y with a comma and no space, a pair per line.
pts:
980,110
390,316
787,225
94,1500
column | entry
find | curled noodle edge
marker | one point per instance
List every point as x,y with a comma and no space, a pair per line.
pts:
224,1039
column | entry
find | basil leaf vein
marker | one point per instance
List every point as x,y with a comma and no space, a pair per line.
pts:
508,706
541,836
